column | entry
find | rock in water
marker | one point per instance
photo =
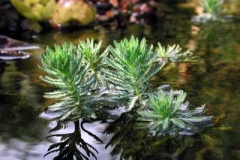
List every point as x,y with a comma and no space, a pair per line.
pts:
73,10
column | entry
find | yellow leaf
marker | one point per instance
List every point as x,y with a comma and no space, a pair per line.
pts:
44,2
23,9
49,10
38,11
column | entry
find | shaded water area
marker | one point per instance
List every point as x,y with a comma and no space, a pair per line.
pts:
213,80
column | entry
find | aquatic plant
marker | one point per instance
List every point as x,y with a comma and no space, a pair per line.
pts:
132,66
212,7
172,53
168,114
91,52
87,80
69,75
78,72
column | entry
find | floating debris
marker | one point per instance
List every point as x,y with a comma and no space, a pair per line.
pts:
11,49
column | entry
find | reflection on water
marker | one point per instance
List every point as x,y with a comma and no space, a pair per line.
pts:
75,141
212,80
20,129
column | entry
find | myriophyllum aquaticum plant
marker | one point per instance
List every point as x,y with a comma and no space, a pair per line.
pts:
212,10
168,113
131,66
68,73
173,53
212,7
87,78
92,56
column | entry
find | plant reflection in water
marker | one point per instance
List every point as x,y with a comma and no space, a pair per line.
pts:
69,147
137,143
130,141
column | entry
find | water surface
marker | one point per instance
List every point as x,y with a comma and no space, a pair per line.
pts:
213,80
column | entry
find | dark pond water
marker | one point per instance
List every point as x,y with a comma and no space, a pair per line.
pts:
213,80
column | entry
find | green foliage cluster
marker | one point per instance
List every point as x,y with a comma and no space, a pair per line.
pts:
169,114
132,66
87,78
70,78
212,11
173,53
93,57
212,6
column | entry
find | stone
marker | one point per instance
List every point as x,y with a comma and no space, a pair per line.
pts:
73,10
